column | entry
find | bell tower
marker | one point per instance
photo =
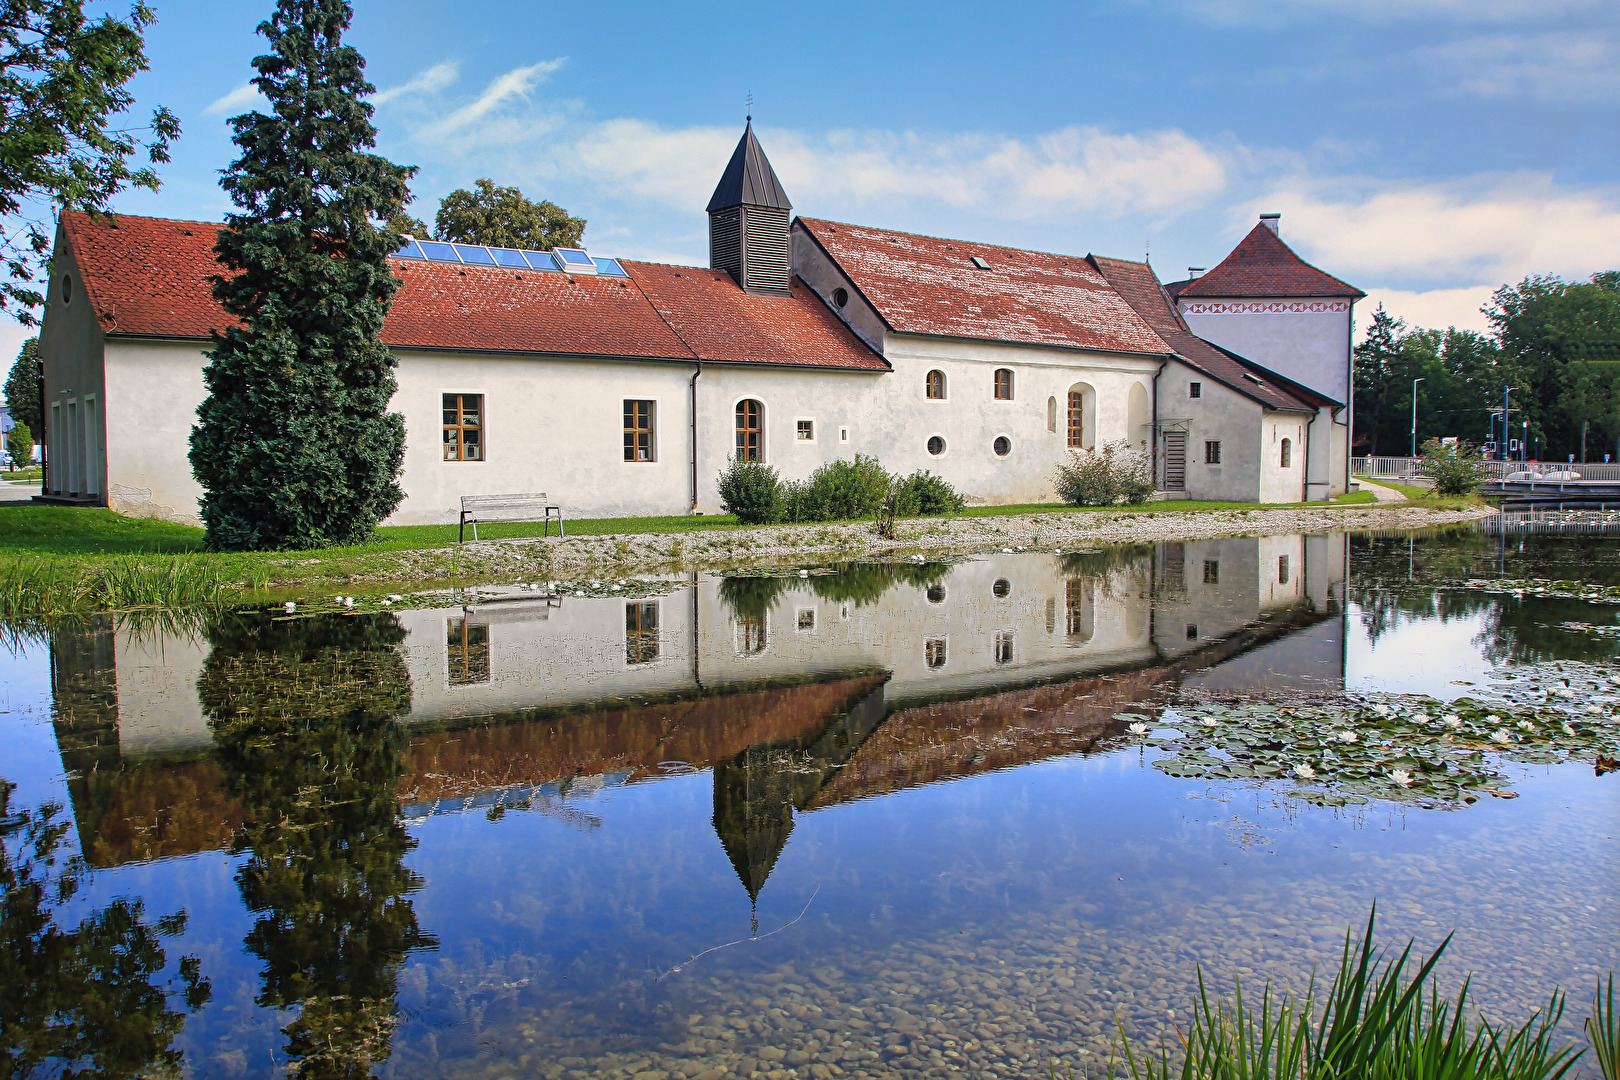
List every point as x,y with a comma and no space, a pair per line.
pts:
748,221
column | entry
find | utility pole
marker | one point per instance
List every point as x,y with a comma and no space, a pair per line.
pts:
1414,414
1502,454
1583,440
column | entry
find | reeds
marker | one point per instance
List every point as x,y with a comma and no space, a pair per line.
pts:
1603,1030
42,585
1379,1020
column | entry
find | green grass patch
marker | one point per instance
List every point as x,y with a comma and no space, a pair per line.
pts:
1426,497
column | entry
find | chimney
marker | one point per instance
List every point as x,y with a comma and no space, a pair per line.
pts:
1195,272
1270,221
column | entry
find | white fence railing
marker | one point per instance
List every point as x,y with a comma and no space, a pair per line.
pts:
1397,467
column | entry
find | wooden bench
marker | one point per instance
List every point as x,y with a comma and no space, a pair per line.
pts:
488,508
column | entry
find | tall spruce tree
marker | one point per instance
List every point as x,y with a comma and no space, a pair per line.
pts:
294,446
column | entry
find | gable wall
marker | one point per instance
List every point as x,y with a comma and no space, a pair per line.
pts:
1218,415
1306,340
1277,484
70,342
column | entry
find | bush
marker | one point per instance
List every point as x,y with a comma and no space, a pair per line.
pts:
1114,474
21,444
750,490
1455,469
922,494
844,490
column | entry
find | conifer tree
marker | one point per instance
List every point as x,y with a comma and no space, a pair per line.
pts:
294,445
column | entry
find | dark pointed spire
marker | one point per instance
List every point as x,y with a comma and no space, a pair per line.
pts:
749,179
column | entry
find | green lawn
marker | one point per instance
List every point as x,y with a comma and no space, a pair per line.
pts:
1425,497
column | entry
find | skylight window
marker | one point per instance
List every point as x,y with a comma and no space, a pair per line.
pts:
409,251
980,263
509,257
574,260
432,249
1253,379
474,255
609,267
541,260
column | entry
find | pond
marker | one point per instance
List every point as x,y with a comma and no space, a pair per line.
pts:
880,820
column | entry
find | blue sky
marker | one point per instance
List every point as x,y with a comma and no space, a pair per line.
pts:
1424,150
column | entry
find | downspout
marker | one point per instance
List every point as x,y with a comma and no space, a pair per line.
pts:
692,390
1350,402
1153,429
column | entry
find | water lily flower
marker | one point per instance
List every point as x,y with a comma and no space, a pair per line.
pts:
1304,771
1210,721
1500,735
804,573
1401,777
290,606
1452,720
1493,719
1525,725
1568,730
348,601
1006,551
1347,736
1381,709
1139,729
1594,708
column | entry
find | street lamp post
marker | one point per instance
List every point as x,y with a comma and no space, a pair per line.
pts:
1414,414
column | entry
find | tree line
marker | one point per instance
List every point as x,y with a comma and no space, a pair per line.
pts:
1556,343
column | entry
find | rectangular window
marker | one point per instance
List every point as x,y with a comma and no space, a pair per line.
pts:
1282,569
807,431
1212,453
806,620
1004,384
468,646
1212,571
641,631
464,427
1004,646
638,430
1195,389
934,652
1077,419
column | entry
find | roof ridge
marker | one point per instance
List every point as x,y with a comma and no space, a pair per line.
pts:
945,239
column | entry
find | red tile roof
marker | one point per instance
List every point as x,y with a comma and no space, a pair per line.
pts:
1139,286
148,277
1262,265
927,285
720,322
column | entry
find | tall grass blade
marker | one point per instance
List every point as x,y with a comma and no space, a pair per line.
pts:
1603,1030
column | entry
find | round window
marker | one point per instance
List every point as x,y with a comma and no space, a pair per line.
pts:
1003,446
67,289
840,297
936,446
936,594
1001,588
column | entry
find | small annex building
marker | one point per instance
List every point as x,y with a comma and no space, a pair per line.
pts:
622,387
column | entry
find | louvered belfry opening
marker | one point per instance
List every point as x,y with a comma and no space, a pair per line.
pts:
748,221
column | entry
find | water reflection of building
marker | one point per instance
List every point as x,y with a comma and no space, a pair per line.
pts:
800,693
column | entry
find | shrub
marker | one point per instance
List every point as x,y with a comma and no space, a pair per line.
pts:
922,494
20,442
844,490
750,490
1116,473
1455,469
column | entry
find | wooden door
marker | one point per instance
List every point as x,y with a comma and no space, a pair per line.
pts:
1175,461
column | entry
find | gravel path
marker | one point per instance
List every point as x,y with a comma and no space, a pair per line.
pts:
799,545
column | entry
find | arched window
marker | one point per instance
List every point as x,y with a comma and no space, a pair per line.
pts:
750,430
936,385
1077,419
1051,414
1287,452
1004,384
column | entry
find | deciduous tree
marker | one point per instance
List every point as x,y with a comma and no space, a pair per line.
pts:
502,217
294,445
22,386
63,94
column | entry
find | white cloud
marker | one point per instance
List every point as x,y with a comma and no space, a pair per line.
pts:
428,81
1484,230
1436,308
1563,66
470,121
1073,169
241,99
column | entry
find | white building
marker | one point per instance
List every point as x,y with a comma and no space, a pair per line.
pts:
622,388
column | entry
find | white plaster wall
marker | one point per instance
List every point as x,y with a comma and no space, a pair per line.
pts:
1306,340
70,342
1218,415
153,390
970,417
159,712
836,403
553,425
1277,484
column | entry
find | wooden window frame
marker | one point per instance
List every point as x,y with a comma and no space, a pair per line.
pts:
1195,390
1287,455
1077,420
804,429
1212,451
746,434
1004,386
460,426
635,432
935,386
640,631
468,652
